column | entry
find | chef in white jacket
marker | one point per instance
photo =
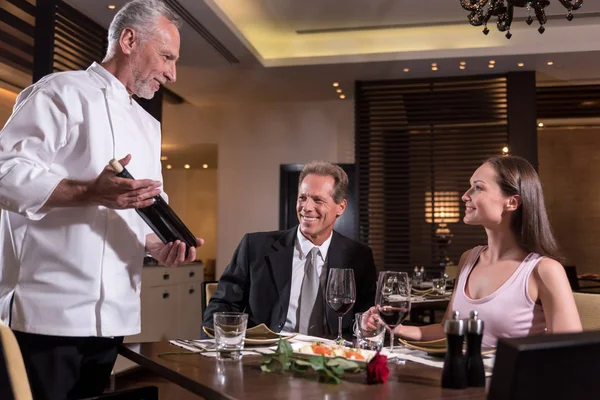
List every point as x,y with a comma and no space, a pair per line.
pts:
71,243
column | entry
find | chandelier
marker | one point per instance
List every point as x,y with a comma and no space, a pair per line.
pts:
503,10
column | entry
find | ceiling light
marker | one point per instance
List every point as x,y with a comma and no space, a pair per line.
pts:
164,158
204,166
463,63
406,70
521,64
112,6
462,67
481,11
434,64
491,66
336,84
434,68
342,96
339,90
505,150
187,166
550,63
492,62
169,166
541,124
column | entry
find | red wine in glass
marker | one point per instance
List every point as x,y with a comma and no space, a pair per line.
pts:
341,305
340,294
392,299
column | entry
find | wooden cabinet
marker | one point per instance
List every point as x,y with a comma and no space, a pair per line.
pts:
171,306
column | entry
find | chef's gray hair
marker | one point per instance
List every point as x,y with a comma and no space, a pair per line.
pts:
141,16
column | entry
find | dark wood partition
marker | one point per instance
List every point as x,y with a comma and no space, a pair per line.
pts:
418,137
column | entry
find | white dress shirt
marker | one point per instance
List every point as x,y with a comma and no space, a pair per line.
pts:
302,247
73,271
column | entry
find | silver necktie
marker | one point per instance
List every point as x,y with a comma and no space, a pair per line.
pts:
308,295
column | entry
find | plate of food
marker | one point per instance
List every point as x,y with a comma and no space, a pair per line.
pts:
333,350
435,347
259,334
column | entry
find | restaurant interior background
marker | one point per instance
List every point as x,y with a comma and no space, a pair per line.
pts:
255,90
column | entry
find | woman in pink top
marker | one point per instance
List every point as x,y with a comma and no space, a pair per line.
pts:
516,282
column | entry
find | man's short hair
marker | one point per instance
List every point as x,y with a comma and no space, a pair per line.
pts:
141,16
324,168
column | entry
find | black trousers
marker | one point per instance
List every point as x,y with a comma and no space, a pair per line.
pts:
62,368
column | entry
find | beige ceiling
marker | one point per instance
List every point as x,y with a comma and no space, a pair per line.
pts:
292,50
288,32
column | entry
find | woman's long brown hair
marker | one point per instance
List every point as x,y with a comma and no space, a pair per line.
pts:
530,223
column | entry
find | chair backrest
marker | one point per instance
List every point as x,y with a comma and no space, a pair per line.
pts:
451,271
588,306
12,368
571,272
208,289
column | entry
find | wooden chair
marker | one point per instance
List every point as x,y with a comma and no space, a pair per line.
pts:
14,383
588,306
451,271
208,289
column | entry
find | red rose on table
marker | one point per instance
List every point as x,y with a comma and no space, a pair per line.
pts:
377,369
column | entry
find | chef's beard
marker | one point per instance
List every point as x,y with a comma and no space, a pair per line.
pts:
141,86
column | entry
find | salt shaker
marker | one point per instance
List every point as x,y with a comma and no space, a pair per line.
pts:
475,368
454,374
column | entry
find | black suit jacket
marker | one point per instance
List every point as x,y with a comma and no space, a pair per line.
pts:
258,279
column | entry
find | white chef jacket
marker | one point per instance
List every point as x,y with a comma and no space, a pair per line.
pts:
73,271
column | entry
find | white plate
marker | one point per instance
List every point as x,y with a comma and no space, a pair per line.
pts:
304,349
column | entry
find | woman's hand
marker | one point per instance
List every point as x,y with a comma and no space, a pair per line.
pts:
372,319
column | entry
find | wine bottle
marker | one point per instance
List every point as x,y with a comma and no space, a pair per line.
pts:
159,216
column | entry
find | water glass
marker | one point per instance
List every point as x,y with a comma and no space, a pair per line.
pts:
366,338
230,333
438,282
439,285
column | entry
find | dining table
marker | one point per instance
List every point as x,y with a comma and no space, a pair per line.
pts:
216,379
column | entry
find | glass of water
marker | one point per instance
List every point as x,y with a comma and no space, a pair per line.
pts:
366,338
230,333
438,282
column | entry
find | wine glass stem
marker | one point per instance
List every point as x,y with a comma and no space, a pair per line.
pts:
391,339
339,338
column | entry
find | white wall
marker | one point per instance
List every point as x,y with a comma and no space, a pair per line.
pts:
253,141
193,196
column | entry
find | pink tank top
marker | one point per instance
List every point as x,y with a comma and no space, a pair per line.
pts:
507,312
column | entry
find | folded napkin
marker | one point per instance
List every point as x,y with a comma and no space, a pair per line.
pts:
422,357
206,347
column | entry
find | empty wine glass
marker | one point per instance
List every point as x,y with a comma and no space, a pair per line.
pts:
341,294
392,299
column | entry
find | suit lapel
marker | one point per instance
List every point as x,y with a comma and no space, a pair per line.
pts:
280,262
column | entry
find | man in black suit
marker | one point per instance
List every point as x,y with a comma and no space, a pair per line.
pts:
279,278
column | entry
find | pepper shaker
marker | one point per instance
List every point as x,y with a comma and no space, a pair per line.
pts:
475,368
454,374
